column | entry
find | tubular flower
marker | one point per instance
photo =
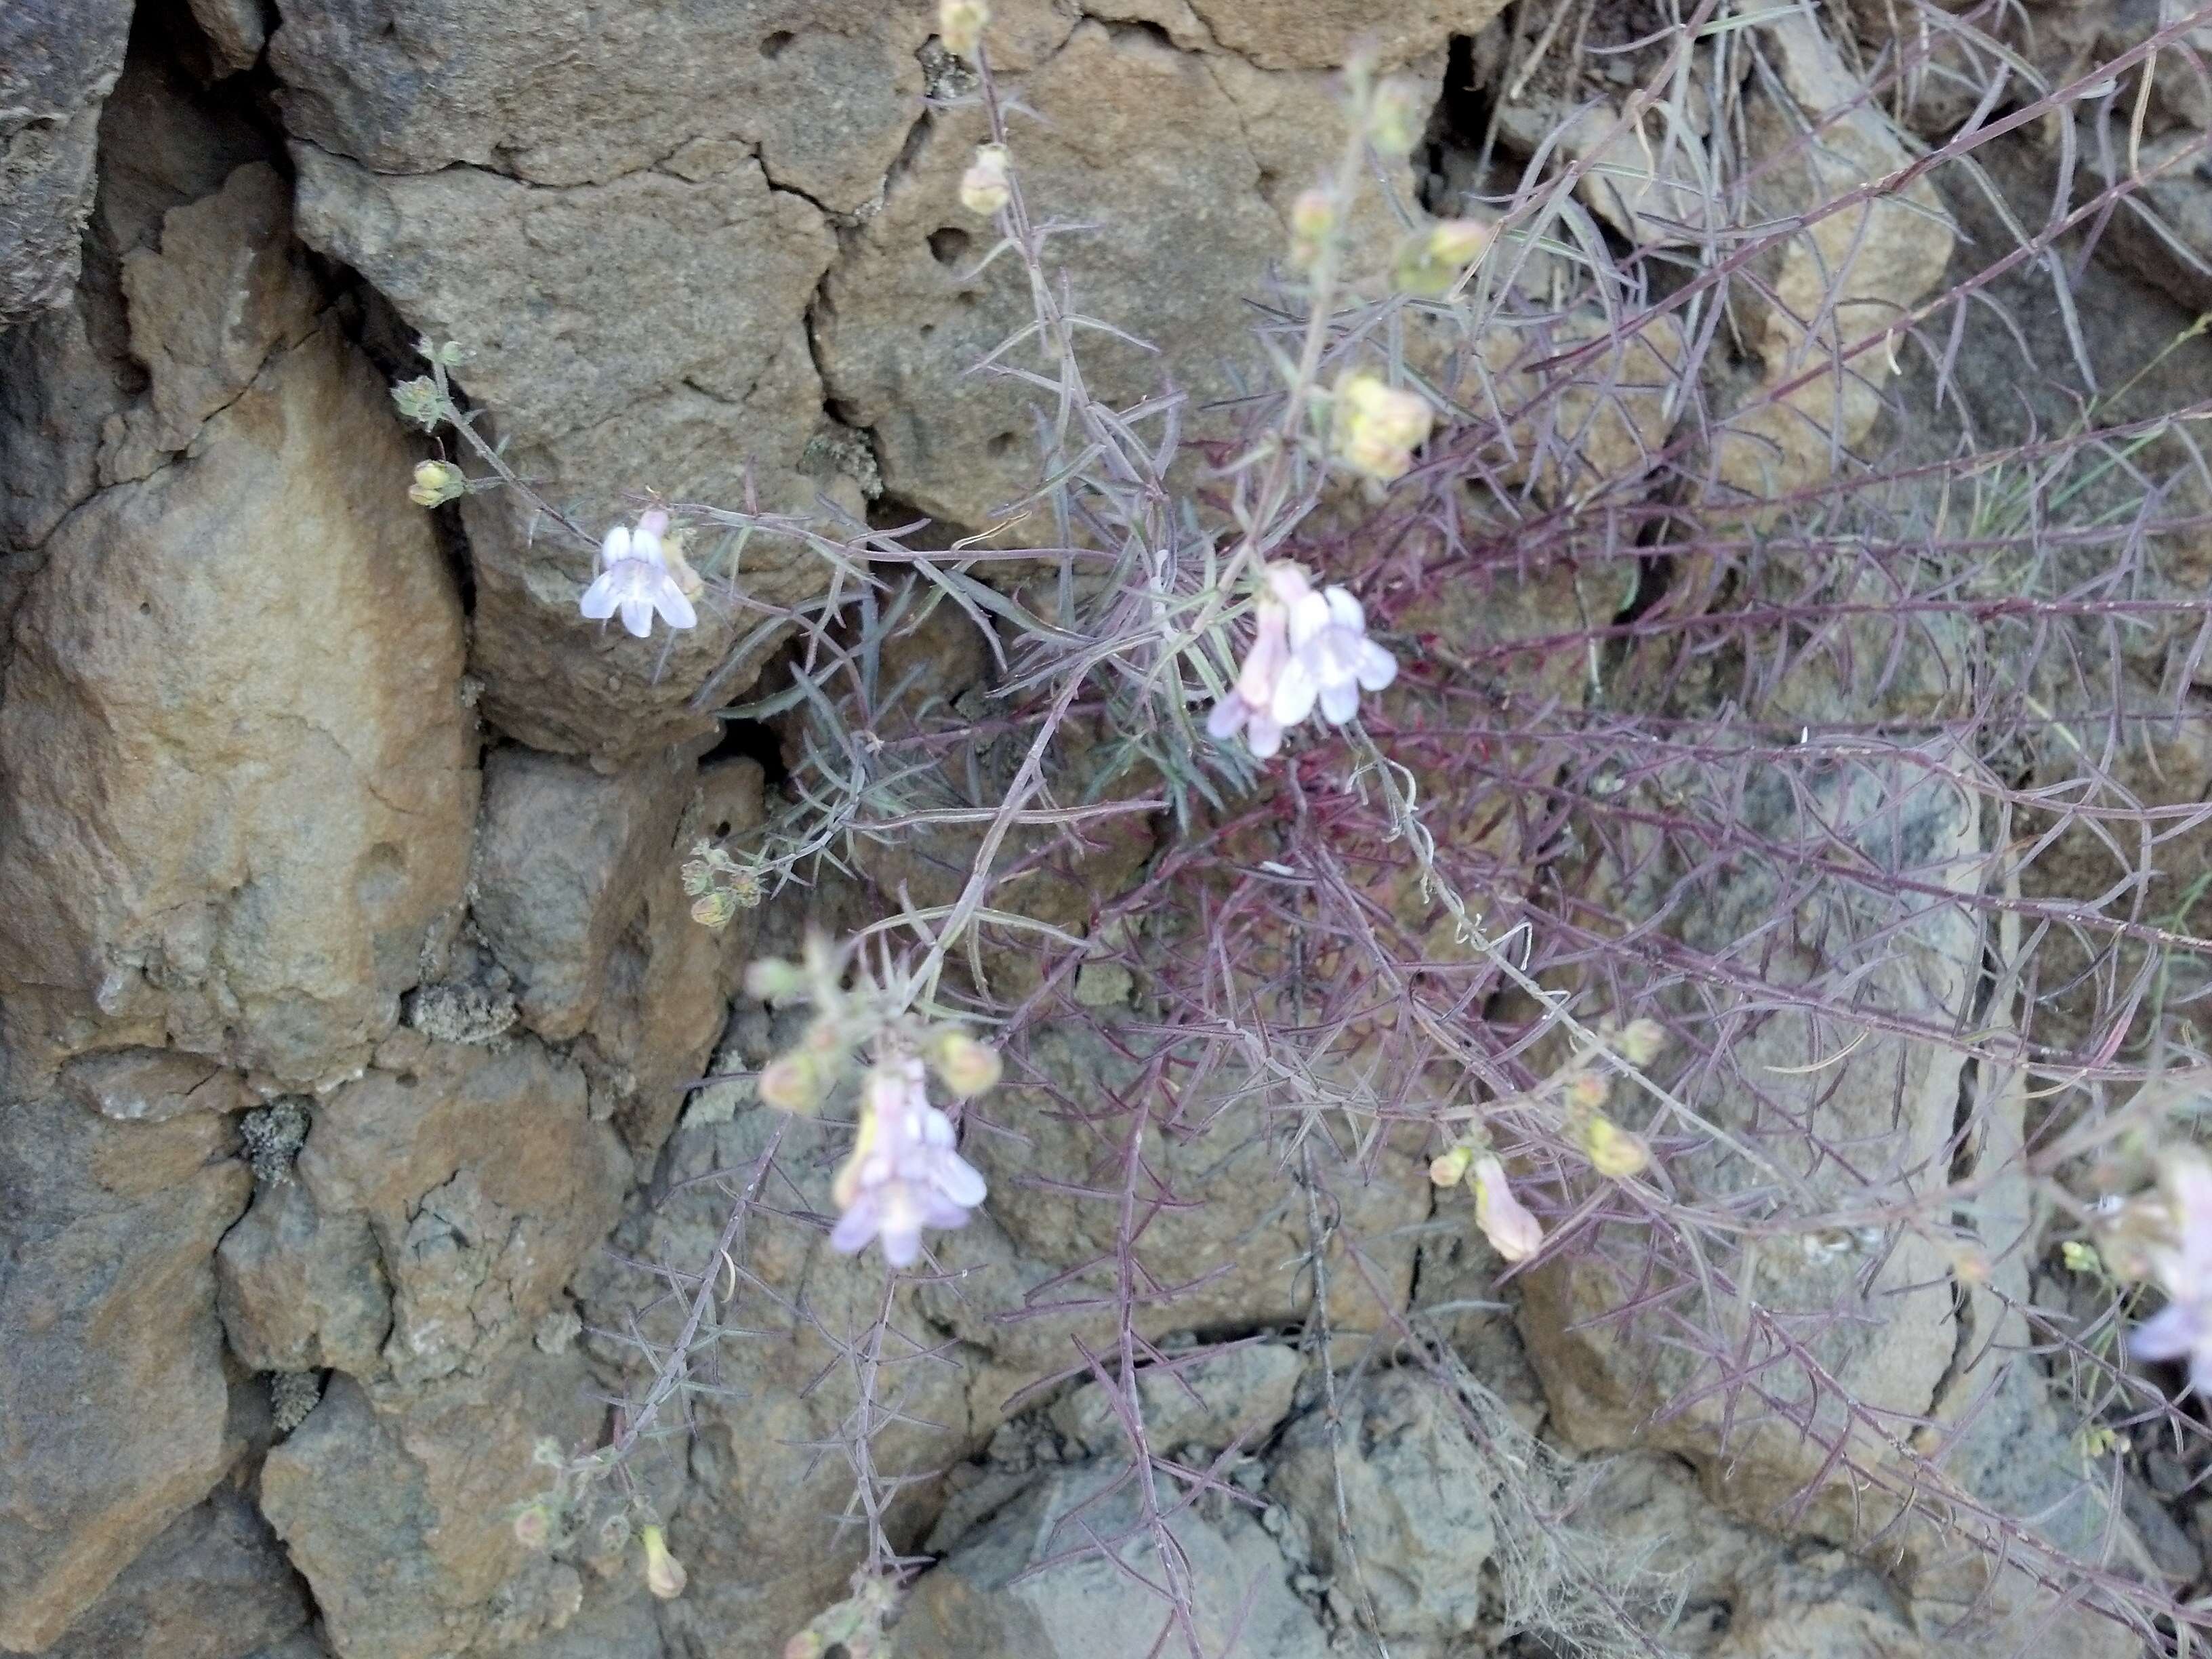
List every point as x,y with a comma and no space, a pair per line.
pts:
903,1173
2182,1329
1307,648
1513,1232
635,579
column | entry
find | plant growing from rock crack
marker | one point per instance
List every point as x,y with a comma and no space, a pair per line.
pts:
1697,890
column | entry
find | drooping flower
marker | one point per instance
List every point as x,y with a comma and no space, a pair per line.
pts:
2183,1269
903,1173
1307,648
1513,1232
664,1574
634,578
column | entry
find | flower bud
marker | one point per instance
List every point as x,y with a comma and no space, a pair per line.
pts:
1513,1232
771,979
435,483
984,189
1448,1169
1395,119
960,25
1586,1091
664,1573
533,1527
1612,1150
966,1067
1639,1043
545,1452
1429,261
792,1083
1313,221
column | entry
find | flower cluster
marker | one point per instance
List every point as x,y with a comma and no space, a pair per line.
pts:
904,1173
1379,426
718,886
435,483
1307,649
637,576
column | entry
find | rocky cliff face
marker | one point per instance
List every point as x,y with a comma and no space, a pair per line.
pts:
349,998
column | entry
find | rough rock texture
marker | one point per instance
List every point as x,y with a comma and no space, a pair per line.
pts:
1417,1496
1238,1395
249,903
1853,272
1037,1266
113,1403
57,63
213,1586
978,1605
397,1519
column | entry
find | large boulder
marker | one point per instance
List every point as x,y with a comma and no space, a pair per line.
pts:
252,645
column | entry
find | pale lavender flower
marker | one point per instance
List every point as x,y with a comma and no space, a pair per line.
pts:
634,578
1307,648
903,1173
2184,1327
1332,659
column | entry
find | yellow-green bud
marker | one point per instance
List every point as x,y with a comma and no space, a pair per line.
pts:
435,483
664,1574
966,1067
1585,1092
2079,1258
984,189
792,1083
960,25
1612,1152
1448,1169
1395,120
